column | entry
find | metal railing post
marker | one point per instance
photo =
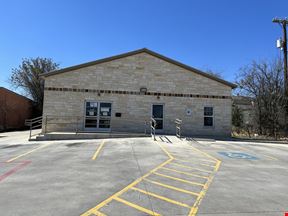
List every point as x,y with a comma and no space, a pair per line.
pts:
153,128
30,131
45,128
178,123
77,123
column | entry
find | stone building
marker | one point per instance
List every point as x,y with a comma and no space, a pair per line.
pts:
14,110
122,93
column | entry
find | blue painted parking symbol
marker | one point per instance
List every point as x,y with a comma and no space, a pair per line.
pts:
238,155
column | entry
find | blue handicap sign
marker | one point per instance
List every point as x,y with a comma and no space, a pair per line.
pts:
238,155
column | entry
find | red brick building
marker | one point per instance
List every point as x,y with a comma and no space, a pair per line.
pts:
14,109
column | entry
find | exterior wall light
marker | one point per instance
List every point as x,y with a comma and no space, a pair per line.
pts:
143,90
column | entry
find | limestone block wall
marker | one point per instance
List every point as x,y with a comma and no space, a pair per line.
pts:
119,82
136,110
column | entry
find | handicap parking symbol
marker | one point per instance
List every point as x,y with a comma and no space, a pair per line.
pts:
238,155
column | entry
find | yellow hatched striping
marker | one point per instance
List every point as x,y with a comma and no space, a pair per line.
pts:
179,179
194,209
199,196
207,165
97,213
140,208
185,173
193,158
189,167
109,199
211,161
171,187
161,197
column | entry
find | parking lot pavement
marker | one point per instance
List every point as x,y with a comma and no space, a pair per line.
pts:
63,179
252,179
174,187
138,176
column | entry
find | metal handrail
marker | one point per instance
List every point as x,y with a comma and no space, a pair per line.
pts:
28,122
153,128
78,123
178,123
33,123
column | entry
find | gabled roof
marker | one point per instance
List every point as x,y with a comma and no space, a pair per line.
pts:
144,50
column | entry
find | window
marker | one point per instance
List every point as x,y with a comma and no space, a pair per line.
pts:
208,116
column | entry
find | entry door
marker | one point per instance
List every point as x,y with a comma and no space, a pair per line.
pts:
97,115
158,115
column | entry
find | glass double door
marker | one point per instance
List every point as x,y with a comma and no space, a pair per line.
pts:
97,116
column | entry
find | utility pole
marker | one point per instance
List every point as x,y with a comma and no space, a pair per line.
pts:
283,46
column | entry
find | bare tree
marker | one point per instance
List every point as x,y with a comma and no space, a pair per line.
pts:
237,118
264,82
27,77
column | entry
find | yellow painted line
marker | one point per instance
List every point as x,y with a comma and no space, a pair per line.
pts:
29,152
98,150
165,150
193,209
172,187
161,197
199,199
204,153
178,179
195,162
140,208
209,161
97,213
189,167
109,199
192,157
270,157
185,173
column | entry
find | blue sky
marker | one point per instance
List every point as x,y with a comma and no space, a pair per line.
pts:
220,35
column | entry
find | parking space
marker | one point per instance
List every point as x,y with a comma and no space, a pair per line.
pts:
139,176
245,185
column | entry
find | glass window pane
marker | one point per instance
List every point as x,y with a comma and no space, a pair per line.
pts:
159,124
104,123
208,121
157,111
208,111
91,109
105,109
90,123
